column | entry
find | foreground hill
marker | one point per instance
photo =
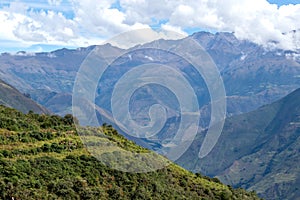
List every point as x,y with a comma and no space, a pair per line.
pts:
259,150
42,157
11,97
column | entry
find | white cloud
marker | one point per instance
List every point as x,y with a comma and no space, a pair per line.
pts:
32,27
97,18
142,36
255,20
54,2
173,31
95,21
148,11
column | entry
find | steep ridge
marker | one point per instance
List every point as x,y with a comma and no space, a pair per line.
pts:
257,150
11,97
47,77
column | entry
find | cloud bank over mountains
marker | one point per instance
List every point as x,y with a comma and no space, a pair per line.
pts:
82,23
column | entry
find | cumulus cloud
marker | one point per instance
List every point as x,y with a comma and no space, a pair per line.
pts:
94,21
32,26
144,35
54,2
96,17
255,20
102,20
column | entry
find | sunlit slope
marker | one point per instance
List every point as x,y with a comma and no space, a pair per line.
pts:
42,157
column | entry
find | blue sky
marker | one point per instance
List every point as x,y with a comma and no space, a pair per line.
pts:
45,25
283,2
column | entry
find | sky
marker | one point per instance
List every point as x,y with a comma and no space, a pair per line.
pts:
46,25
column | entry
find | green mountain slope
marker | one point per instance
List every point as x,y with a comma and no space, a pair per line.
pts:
259,150
42,157
11,97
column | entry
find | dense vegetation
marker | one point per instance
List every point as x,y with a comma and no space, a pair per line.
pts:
42,157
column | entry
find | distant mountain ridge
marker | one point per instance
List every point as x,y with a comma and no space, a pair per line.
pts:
259,150
253,76
11,97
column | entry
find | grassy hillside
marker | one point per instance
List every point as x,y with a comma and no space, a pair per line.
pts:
42,157
11,97
259,151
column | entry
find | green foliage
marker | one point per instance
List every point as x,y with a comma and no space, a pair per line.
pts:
13,120
45,159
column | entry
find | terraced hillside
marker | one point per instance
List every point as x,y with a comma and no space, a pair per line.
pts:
42,157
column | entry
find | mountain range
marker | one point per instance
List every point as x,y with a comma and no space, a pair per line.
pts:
259,150
253,76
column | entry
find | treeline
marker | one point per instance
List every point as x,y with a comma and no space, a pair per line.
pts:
14,120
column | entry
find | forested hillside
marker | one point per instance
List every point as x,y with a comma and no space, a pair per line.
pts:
42,157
